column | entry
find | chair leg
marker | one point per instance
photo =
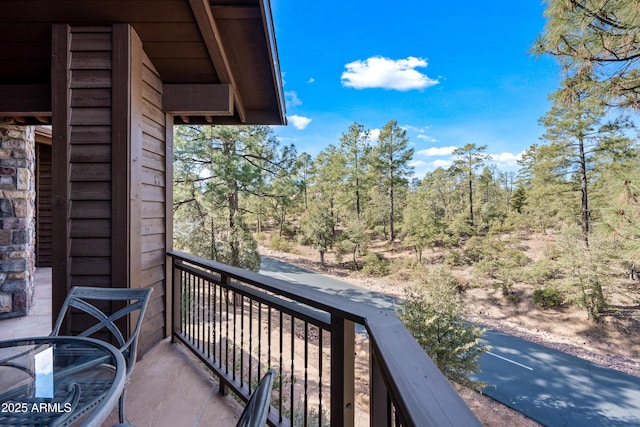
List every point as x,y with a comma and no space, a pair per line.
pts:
121,407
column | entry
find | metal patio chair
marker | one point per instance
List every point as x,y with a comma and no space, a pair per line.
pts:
257,408
79,299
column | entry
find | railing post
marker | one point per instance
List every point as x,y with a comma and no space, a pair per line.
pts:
176,292
379,410
342,372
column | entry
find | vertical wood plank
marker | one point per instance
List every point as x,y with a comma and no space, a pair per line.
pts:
168,206
60,104
135,166
120,165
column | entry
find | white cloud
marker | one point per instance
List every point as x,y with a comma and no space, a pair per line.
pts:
437,151
415,128
427,138
311,80
509,159
441,163
380,72
374,134
292,99
417,164
299,122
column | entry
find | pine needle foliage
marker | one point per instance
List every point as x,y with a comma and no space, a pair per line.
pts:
431,312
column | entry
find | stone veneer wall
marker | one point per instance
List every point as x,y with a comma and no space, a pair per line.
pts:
17,219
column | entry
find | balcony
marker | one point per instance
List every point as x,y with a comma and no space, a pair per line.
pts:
339,362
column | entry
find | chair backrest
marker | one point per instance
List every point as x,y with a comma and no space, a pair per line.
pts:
79,297
257,409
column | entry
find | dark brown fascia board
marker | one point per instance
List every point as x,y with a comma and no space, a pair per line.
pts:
212,39
25,100
272,47
236,12
197,99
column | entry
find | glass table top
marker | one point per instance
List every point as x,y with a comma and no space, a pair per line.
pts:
58,381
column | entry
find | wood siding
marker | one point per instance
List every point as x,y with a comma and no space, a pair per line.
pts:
110,162
90,150
153,203
43,206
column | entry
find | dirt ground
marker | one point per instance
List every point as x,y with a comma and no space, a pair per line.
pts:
613,341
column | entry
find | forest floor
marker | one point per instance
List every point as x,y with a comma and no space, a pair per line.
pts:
612,341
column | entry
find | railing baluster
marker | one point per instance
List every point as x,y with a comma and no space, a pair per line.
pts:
250,356
293,368
281,329
226,336
199,312
209,338
235,340
222,298
306,372
190,310
241,340
259,338
320,382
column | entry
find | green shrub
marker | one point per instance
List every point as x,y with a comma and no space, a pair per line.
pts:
547,297
432,313
454,258
375,265
552,252
540,273
288,230
279,244
405,268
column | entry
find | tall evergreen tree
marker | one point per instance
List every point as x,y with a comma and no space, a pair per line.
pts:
391,164
355,148
580,132
544,175
317,227
467,160
327,177
214,168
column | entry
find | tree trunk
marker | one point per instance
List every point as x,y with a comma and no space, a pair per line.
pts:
585,196
322,258
391,212
471,198
282,216
234,244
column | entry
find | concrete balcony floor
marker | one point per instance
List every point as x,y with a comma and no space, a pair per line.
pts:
169,387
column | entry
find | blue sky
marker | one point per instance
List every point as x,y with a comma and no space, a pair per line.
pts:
450,74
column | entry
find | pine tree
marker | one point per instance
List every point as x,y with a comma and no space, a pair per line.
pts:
391,165
579,132
214,169
316,228
468,159
598,45
432,314
354,146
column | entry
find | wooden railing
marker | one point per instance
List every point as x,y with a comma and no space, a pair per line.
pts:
240,323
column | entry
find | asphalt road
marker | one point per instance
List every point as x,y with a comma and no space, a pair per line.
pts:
555,388
551,387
